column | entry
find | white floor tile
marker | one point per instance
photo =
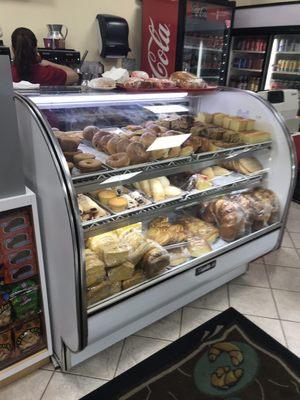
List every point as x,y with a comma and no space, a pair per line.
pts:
293,223
271,326
166,328
194,317
215,300
29,388
254,276
284,278
259,260
102,365
48,367
70,387
137,349
286,240
283,257
292,333
296,239
288,304
252,300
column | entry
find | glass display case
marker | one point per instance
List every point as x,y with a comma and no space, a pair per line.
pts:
148,201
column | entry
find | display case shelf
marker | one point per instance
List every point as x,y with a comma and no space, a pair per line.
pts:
249,51
286,73
94,227
100,180
247,69
288,52
191,47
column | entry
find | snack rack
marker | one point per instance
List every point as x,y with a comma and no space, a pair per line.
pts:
90,329
39,354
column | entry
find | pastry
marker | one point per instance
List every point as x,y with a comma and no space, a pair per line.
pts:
186,151
208,172
117,204
105,195
98,292
89,209
89,165
197,247
121,272
122,145
96,142
231,136
204,117
98,243
137,277
174,152
218,118
250,124
115,254
83,156
238,124
155,260
172,191
137,153
178,256
70,166
111,145
177,234
137,198
157,190
200,182
159,154
70,154
254,137
118,160
147,139
68,144
94,268
146,188
89,132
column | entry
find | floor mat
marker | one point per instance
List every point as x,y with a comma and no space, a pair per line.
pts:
227,358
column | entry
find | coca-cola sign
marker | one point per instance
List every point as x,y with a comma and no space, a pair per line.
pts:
158,49
159,37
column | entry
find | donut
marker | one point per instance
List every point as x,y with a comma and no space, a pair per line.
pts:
174,152
83,156
89,165
112,144
89,132
148,138
137,153
70,166
68,144
122,145
97,137
70,154
103,142
118,160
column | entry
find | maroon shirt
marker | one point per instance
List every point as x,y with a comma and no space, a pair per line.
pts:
45,76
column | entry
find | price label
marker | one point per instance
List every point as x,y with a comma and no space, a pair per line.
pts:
121,177
205,267
167,142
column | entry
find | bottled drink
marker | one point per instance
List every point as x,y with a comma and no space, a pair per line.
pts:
282,45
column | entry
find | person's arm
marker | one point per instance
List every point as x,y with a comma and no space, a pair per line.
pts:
72,76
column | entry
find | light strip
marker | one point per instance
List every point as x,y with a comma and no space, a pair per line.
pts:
87,99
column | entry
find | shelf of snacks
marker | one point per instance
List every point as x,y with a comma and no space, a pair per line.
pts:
24,319
150,186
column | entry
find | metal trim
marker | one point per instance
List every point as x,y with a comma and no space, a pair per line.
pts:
75,222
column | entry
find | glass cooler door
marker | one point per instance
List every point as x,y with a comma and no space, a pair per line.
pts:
284,65
246,62
206,39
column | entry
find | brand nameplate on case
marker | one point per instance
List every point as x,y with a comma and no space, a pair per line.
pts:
121,177
168,142
205,267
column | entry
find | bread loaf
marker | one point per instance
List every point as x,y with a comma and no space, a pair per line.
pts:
121,272
155,260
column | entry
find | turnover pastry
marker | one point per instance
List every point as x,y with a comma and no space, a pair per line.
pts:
89,209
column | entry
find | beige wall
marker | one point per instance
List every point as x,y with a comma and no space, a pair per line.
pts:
78,15
253,2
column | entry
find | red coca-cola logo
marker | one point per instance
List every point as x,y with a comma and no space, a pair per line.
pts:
158,48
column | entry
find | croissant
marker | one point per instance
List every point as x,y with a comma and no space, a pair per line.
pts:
224,377
234,352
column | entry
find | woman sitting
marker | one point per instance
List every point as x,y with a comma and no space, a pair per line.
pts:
28,66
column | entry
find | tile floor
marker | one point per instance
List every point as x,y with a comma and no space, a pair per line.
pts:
268,294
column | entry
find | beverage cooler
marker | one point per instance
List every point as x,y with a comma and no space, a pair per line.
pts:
148,201
265,58
188,35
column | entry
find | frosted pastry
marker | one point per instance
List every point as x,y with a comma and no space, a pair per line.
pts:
157,190
172,191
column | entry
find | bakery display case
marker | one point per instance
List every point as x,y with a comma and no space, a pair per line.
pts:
148,201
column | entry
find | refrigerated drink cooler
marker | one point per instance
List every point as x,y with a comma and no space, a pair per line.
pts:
146,239
188,35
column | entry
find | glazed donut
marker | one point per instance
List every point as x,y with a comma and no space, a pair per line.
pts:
68,144
89,165
97,137
70,166
83,156
103,142
118,160
70,154
112,144
122,145
137,153
148,138
89,132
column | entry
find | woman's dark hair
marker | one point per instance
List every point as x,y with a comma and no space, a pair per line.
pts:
24,44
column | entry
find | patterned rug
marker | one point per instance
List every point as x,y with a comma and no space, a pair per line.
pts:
227,358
